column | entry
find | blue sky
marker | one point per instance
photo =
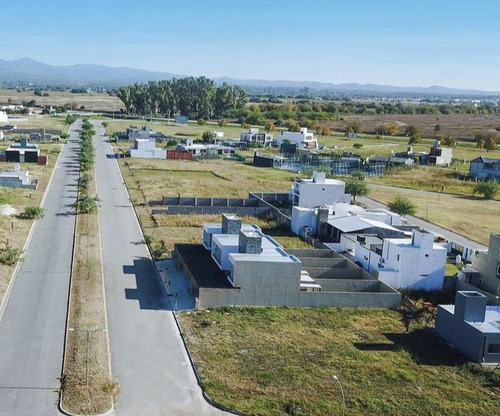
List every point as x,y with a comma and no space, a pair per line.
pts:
453,43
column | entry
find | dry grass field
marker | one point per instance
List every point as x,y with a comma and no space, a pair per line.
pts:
471,217
460,126
281,362
428,178
93,101
12,228
150,180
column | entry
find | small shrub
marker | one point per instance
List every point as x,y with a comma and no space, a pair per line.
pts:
32,213
87,204
10,255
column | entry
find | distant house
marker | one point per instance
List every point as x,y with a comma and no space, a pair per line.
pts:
484,271
485,168
437,155
17,178
146,149
303,139
3,117
200,150
38,135
403,263
253,136
181,119
391,161
471,326
145,133
22,152
440,156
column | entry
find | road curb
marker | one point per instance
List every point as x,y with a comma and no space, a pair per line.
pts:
8,291
59,404
164,290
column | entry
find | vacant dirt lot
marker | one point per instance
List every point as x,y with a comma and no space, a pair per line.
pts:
93,101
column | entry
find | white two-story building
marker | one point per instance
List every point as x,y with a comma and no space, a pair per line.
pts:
303,139
318,191
403,263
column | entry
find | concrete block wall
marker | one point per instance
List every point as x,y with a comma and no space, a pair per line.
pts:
340,273
348,285
460,335
350,300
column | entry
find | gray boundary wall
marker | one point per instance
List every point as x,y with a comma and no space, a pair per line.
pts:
257,205
211,298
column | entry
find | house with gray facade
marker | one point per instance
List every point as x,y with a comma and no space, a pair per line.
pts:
471,327
237,264
145,133
483,273
485,168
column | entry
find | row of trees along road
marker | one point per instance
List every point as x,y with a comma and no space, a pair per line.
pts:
194,97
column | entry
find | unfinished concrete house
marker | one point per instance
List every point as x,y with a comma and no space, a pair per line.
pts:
237,264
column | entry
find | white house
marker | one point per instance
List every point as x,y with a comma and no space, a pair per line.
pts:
332,221
403,263
302,139
205,149
3,117
318,191
146,148
254,136
17,178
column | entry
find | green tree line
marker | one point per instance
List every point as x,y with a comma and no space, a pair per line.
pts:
195,97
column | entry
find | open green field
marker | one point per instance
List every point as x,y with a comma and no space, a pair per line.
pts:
279,362
13,229
471,217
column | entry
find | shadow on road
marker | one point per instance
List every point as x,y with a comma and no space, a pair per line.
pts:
148,291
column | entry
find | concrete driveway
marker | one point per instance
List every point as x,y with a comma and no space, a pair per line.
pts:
33,326
148,357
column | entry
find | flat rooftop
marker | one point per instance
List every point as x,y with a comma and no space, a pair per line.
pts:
491,324
202,267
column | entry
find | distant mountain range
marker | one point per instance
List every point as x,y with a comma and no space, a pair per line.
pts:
26,70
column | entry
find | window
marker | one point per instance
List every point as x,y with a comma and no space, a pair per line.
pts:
426,255
397,258
494,349
498,270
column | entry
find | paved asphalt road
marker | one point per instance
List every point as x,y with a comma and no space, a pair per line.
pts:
440,231
148,358
33,326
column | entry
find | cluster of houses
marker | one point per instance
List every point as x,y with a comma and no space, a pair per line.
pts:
302,139
366,257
